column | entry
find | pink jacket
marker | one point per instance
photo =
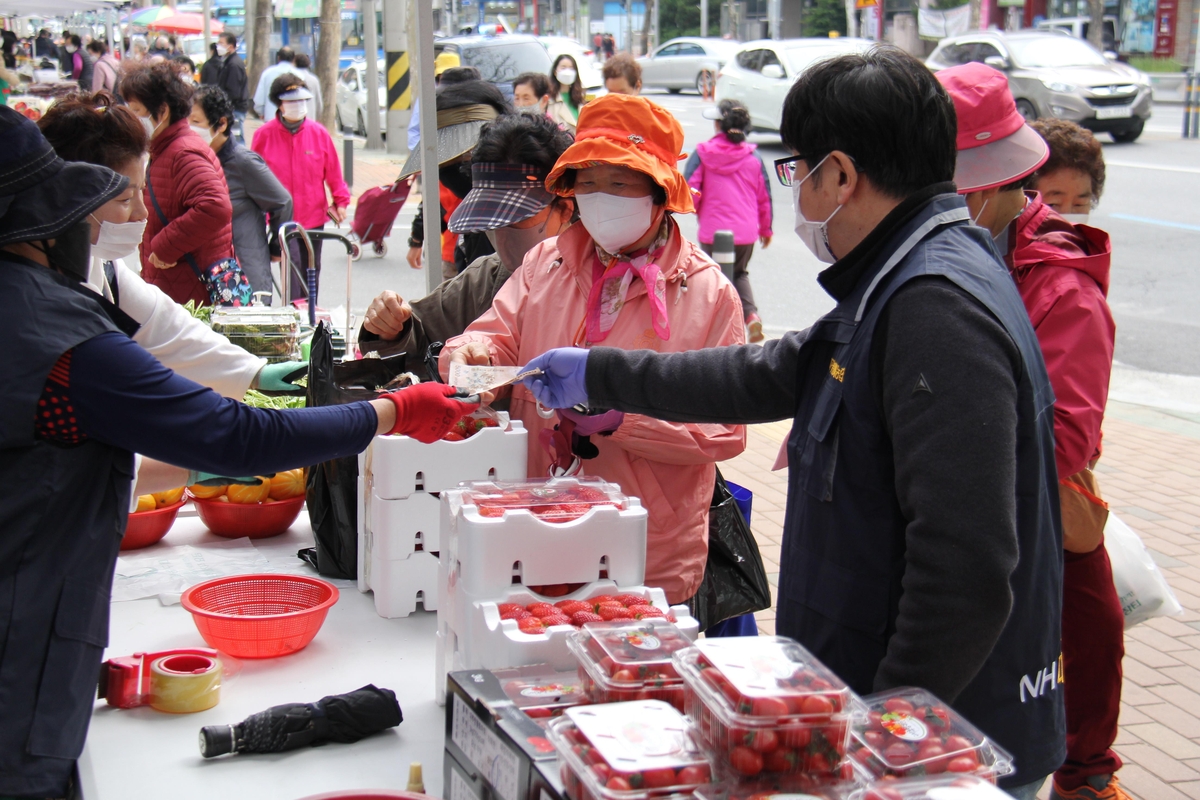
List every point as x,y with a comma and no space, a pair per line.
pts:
305,164
734,194
669,466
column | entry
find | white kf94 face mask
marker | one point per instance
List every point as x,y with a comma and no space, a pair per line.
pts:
615,222
815,235
117,239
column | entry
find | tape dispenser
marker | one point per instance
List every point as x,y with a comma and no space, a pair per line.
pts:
175,681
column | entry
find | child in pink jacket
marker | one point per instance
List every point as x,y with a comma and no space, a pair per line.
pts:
732,182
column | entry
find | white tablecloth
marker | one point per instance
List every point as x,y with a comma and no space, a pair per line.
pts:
140,753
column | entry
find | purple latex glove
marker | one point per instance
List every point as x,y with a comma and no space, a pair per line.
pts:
563,382
590,425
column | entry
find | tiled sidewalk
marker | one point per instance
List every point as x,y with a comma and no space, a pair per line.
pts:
1150,474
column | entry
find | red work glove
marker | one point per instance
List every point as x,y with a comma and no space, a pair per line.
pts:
427,411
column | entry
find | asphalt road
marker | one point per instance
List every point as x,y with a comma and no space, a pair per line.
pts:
1151,207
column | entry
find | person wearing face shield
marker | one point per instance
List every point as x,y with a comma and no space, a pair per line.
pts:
79,399
508,202
463,109
922,544
623,276
302,155
1061,270
190,218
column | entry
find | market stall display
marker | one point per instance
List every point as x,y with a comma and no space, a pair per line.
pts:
942,787
399,514
541,692
909,732
272,333
627,660
765,704
628,751
259,616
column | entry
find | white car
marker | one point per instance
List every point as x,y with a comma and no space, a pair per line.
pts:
589,70
761,73
685,63
352,97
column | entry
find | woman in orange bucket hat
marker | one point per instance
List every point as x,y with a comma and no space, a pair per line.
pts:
622,276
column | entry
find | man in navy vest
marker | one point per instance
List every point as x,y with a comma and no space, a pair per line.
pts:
922,543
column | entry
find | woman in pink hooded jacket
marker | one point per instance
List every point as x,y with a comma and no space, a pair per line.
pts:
623,276
732,182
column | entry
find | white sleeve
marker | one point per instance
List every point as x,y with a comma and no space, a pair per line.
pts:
182,343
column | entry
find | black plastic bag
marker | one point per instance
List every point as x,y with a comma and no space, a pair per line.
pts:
332,490
735,581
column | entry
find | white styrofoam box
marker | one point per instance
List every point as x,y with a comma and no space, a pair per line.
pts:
483,640
483,555
396,527
364,564
396,584
399,465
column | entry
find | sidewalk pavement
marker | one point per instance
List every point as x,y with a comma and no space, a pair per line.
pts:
1149,474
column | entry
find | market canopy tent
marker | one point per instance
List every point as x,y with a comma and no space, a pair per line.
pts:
165,18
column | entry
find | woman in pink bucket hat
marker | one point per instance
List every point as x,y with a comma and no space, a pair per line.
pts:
1061,271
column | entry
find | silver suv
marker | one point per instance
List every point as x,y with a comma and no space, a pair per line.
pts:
1056,75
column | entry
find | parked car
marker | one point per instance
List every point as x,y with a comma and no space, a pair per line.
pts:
589,69
685,63
1080,26
1057,75
352,97
761,72
499,59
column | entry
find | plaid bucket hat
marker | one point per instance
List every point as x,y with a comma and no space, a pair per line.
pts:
501,194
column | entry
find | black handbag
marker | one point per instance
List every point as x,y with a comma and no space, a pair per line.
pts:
735,581
224,280
332,490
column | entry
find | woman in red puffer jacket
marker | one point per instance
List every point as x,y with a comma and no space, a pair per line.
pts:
190,223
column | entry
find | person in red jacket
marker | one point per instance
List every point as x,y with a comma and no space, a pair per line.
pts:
1062,272
191,219
1072,179
303,156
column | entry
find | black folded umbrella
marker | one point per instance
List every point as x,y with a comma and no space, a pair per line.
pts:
337,718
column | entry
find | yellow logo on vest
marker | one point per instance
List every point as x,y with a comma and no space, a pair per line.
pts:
837,370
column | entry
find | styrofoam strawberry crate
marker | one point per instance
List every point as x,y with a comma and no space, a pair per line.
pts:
483,640
395,529
399,585
483,556
399,465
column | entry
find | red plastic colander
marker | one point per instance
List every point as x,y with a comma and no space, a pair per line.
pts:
259,616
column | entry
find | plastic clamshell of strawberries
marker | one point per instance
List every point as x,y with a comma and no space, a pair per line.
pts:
937,787
550,499
630,660
766,705
628,751
541,691
906,732
796,786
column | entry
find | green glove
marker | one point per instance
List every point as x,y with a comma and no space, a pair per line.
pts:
279,377
209,479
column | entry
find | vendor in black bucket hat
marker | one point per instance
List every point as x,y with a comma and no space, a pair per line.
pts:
44,201
79,398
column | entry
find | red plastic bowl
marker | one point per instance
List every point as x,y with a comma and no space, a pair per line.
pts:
149,527
254,520
260,616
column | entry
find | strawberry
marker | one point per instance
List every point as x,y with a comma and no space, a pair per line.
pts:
507,607
570,607
611,613
541,609
531,625
581,617
671,616
556,619
628,600
602,598
646,612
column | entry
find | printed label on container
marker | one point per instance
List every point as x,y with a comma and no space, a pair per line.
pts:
756,668
641,640
459,788
498,765
903,725
640,735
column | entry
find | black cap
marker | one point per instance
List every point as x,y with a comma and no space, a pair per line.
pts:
216,740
